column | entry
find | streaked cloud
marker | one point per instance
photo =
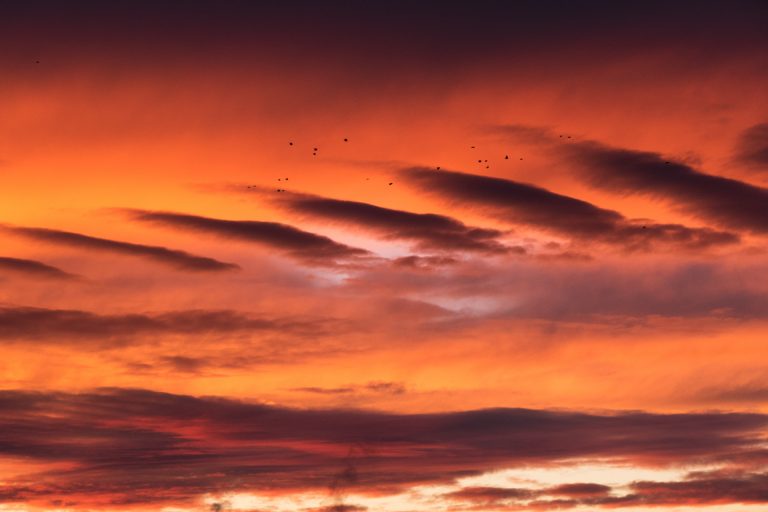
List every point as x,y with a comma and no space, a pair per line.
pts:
179,260
32,268
526,204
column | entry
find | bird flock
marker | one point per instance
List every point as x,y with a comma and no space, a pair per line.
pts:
315,150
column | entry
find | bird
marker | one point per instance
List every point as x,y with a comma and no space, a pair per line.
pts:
290,143
390,183
438,167
506,157
472,147
346,139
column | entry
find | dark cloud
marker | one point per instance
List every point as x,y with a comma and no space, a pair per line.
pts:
342,508
708,488
724,201
117,444
428,230
392,388
423,262
185,364
700,489
500,496
39,324
755,392
576,490
752,148
395,388
325,391
179,260
490,495
32,268
302,245
522,203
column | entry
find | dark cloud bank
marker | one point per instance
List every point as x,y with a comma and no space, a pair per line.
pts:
124,446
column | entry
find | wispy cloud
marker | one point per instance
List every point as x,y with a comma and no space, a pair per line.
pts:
297,243
60,325
429,231
526,204
752,147
32,268
723,201
177,259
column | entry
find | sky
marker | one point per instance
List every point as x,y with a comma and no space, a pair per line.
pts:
300,256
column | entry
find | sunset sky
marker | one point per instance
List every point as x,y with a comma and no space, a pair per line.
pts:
384,256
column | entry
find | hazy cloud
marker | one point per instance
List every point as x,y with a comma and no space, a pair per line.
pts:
32,268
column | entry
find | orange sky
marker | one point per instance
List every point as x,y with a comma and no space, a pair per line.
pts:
521,222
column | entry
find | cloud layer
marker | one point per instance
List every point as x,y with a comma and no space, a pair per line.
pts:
525,204
295,242
429,231
179,260
125,446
